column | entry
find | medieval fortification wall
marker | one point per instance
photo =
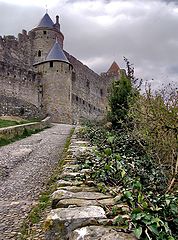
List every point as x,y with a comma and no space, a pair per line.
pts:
66,90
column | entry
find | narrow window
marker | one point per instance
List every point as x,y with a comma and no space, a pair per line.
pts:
77,98
51,64
88,83
44,32
73,76
101,92
39,53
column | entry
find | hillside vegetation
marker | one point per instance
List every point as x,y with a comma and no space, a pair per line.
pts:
135,159
8,123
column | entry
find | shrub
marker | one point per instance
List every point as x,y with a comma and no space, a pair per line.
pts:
118,161
120,95
155,121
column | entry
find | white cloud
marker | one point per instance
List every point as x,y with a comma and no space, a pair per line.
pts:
41,3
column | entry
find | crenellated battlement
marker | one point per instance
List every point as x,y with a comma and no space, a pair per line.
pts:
37,77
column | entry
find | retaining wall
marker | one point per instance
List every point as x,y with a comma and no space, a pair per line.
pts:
13,131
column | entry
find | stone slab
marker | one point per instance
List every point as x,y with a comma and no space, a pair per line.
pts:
70,168
74,189
71,175
61,222
63,194
75,202
62,183
99,233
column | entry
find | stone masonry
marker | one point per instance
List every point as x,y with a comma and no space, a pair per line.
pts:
79,210
38,78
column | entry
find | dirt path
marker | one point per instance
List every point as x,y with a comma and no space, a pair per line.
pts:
25,167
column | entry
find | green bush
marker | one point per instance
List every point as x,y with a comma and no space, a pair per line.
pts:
119,161
120,95
138,158
154,118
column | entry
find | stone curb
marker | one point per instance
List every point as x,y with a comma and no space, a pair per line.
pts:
78,209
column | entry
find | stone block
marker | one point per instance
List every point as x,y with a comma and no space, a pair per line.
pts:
81,188
61,222
63,194
62,183
76,202
71,175
70,168
99,233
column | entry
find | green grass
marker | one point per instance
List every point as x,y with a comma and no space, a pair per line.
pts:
8,123
25,134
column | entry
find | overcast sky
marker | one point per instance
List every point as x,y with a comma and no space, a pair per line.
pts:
98,32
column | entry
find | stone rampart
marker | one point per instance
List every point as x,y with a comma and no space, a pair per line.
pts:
19,91
23,91
19,83
12,106
16,50
88,91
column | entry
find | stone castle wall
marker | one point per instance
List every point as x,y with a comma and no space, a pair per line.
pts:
19,83
19,91
17,51
42,42
25,90
88,91
56,84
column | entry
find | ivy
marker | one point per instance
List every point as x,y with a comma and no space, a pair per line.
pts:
118,160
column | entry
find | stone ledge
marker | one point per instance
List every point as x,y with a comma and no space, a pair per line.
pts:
99,233
78,208
63,221
13,131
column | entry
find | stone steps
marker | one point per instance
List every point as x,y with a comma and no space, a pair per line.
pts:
78,209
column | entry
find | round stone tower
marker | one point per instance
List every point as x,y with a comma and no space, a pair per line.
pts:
56,73
43,37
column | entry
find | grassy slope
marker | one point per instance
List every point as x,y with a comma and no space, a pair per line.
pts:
7,123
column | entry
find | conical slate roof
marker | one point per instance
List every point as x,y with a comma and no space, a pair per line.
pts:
114,68
46,22
57,54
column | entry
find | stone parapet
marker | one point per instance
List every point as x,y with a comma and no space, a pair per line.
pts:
14,131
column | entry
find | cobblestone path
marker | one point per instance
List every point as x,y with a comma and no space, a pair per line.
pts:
25,167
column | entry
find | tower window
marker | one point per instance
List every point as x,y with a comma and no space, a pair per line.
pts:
44,32
88,83
101,92
51,64
73,76
39,53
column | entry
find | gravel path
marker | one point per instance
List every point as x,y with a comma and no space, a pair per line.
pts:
25,167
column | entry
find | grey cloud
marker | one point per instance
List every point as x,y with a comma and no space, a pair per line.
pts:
145,33
14,18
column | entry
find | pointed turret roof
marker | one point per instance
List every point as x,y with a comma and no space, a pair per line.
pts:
114,68
46,21
57,54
